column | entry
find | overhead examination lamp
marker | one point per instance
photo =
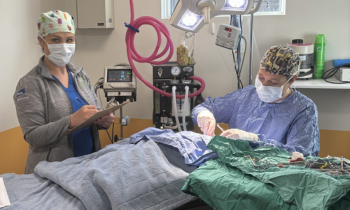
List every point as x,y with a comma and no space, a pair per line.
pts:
191,15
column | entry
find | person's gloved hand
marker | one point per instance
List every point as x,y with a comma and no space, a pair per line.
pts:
239,134
206,122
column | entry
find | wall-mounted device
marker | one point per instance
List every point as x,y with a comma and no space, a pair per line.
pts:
165,77
95,13
228,36
90,13
120,82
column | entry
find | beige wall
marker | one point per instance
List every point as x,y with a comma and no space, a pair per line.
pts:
18,51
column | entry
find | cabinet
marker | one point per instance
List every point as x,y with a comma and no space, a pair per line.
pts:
95,14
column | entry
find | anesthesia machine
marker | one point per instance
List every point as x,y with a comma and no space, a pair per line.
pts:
174,79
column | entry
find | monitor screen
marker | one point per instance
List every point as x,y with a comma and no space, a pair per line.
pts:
119,75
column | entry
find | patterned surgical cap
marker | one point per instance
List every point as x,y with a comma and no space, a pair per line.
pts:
281,60
55,21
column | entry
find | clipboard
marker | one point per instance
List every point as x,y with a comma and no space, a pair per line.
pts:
94,117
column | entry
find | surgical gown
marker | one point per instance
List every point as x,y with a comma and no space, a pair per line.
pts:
290,124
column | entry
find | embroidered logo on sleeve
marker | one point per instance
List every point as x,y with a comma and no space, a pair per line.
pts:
19,93
82,82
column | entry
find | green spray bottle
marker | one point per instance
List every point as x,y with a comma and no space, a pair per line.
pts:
320,45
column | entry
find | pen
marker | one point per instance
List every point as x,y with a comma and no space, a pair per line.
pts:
80,100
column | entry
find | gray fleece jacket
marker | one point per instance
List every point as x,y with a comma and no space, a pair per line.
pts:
43,111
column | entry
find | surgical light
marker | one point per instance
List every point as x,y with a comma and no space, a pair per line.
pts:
189,19
236,3
185,12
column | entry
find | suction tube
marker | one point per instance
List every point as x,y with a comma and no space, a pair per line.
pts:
134,55
185,108
175,109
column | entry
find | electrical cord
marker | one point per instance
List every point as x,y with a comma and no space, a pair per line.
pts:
240,39
245,50
99,95
240,22
113,132
234,60
238,69
194,45
109,137
98,86
228,67
240,83
331,72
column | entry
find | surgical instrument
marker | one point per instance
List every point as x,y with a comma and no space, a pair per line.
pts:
220,127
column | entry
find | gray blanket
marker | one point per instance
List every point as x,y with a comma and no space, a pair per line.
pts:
121,176
33,192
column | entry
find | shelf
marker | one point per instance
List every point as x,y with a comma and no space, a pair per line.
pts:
319,84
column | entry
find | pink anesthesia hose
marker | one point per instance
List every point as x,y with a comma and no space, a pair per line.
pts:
133,54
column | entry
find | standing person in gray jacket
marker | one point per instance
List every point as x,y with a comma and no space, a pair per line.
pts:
55,96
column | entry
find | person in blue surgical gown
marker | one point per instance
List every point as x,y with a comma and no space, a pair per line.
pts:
269,113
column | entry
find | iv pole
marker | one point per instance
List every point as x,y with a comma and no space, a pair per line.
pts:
251,49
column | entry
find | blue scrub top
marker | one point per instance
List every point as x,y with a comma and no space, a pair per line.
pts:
82,139
290,124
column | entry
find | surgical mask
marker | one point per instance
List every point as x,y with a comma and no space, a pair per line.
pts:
269,94
60,54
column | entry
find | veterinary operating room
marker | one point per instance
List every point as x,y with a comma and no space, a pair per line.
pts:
175,104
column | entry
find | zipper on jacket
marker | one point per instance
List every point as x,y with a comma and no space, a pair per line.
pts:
76,87
95,136
70,139
71,107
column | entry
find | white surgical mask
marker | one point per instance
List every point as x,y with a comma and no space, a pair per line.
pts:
60,54
268,94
